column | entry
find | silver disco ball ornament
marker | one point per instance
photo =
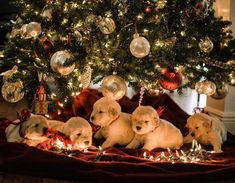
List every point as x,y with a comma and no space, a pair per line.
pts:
139,46
221,92
205,87
114,87
59,62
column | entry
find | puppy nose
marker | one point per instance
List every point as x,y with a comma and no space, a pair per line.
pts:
193,134
138,128
44,131
86,142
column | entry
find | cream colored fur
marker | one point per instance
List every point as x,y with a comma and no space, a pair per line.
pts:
207,130
152,132
115,125
79,131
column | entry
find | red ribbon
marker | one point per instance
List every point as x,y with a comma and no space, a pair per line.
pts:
53,136
160,110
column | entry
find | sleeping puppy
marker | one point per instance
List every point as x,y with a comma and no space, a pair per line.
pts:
207,130
79,131
115,125
33,131
152,132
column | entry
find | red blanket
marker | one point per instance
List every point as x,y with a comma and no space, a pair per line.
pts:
117,164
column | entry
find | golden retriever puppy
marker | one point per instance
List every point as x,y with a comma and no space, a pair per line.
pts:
33,131
207,130
152,132
79,131
115,125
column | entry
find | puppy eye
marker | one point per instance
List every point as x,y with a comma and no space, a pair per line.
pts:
100,111
37,125
146,121
79,134
196,127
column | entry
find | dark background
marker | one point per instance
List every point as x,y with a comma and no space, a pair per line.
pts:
7,12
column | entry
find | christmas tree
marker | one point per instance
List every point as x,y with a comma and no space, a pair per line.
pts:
154,44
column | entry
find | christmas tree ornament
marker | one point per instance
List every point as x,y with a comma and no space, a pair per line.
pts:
221,92
47,13
33,29
139,46
114,87
206,45
106,25
154,89
60,62
171,79
205,87
147,9
48,46
8,74
40,101
202,8
78,35
86,76
12,92
161,4
23,30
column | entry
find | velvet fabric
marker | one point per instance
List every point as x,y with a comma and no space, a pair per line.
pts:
118,164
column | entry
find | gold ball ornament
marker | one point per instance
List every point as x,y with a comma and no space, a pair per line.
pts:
114,87
139,46
47,13
32,29
59,62
12,92
154,89
205,87
221,92
206,45
106,25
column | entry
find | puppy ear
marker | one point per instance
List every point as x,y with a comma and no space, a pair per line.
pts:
112,111
207,124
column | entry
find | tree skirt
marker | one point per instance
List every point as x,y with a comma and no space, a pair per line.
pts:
118,164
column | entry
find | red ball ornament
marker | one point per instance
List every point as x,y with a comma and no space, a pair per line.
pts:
147,9
172,80
47,45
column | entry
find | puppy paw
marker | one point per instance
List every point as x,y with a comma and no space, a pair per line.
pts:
98,135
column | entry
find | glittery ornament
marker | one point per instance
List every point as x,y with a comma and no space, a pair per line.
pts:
206,45
8,74
154,89
78,35
86,76
59,62
106,25
12,92
47,13
202,8
161,4
40,101
221,92
139,46
172,79
205,87
114,87
33,29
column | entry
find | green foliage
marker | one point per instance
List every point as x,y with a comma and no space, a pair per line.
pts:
173,30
